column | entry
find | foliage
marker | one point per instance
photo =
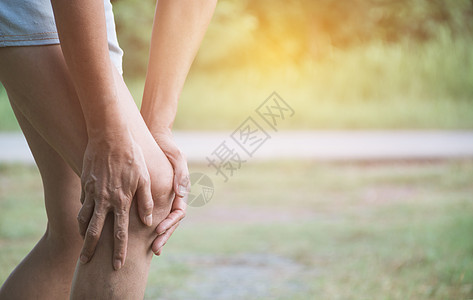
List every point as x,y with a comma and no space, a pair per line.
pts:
245,32
358,64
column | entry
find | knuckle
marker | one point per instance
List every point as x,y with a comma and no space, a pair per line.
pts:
124,200
87,252
100,213
119,254
101,195
87,206
148,205
93,232
183,157
81,219
145,178
186,182
120,235
178,154
160,229
121,211
84,178
88,184
183,175
131,156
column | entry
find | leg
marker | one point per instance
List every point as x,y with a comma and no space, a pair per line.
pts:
46,273
37,80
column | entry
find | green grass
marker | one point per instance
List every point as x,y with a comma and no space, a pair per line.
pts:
7,118
291,230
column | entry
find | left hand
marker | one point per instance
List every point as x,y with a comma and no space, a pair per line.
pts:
181,186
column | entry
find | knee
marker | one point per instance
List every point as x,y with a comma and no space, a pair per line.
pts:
162,178
63,243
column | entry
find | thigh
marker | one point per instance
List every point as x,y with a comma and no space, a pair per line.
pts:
39,87
61,187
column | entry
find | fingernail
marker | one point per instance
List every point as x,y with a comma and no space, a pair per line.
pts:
117,264
149,220
182,190
83,259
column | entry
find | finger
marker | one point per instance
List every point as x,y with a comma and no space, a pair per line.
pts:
145,201
177,214
85,214
161,240
181,176
121,238
179,164
82,195
93,233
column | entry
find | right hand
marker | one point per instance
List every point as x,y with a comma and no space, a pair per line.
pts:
113,172
181,186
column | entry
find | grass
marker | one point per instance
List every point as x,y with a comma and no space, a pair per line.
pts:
7,118
291,230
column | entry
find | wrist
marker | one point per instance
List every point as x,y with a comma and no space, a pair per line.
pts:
159,107
107,126
158,130
159,117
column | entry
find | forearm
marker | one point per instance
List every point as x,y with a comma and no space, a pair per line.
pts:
82,31
178,29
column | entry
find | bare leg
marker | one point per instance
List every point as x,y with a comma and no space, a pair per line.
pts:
54,257
37,81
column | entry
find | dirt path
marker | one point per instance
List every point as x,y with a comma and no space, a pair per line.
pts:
243,276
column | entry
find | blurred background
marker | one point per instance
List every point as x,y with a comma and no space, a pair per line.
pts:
341,64
294,228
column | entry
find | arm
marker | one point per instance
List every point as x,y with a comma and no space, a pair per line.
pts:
178,29
113,170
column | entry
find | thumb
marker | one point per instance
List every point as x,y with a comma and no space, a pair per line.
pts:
181,176
179,164
145,202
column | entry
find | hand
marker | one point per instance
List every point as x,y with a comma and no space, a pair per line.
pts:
114,171
181,185
167,226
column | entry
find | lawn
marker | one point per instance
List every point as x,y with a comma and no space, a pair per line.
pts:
298,230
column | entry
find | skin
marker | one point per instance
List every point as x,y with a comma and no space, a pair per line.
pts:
124,174
81,28
39,109
169,63
54,256
113,166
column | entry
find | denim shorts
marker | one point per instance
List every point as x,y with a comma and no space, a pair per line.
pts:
31,23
